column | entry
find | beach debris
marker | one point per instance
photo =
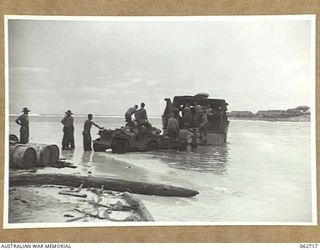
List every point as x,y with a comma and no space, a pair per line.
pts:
78,189
139,206
64,192
21,171
63,164
108,192
96,200
68,215
118,206
107,216
90,206
97,191
16,198
77,218
94,213
132,217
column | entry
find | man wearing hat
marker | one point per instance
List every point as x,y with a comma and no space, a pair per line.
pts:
23,121
68,128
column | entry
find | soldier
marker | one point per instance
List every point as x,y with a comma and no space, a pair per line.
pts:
173,126
23,121
68,129
141,115
86,133
185,139
186,116
203,126
129,113
142,120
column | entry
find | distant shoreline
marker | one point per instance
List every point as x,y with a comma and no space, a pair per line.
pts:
300,118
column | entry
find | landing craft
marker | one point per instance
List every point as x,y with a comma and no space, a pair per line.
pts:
128,139
216,110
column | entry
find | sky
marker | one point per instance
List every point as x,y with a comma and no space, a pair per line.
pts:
105,67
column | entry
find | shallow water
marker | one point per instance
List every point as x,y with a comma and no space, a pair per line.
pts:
263,174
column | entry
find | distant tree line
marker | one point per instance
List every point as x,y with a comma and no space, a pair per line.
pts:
300,110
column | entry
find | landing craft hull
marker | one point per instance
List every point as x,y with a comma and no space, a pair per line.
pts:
215,139
218,138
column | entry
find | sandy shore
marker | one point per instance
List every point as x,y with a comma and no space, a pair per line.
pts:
51,203
36,204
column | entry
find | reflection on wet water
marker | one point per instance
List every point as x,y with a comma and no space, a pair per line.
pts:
204,159
67,154
86,158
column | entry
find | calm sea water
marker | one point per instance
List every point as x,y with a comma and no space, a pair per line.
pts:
263,174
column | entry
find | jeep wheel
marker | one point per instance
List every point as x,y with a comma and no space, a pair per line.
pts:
98,147
119,147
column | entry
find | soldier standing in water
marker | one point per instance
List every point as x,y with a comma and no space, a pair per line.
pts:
68,129
23,121
86,133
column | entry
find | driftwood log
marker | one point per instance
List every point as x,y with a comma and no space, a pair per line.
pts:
108,183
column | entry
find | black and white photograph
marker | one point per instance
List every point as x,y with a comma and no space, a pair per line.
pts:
120,121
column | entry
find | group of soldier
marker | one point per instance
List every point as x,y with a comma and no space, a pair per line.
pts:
182,126
189,118
141,119
68,130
